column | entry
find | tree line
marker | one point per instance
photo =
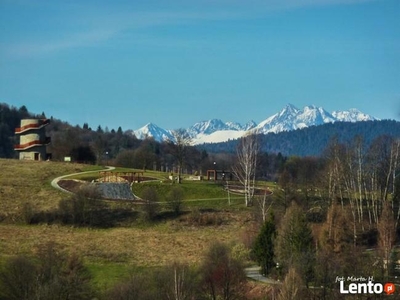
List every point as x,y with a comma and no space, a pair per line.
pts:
338,216
121,148
313,140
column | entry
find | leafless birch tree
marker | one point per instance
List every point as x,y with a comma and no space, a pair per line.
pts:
387,236
245,168
181,140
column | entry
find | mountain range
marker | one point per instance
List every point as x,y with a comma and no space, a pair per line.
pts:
288,119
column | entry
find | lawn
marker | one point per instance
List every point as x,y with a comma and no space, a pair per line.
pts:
205,194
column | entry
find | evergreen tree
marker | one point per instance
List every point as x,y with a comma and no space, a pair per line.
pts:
264,246
295,243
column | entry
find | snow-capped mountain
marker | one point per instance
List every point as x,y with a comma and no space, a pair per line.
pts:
289,118
351,115
152,130
211,126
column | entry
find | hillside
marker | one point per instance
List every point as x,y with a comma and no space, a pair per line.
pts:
313,140
29,181
141,245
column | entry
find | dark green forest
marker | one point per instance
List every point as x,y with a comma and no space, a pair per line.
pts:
313,140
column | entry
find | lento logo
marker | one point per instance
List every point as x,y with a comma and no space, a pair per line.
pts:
389,288
363,285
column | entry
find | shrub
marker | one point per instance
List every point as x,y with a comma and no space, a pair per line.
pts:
223,277
50,275
82,208
174,200
27,213
150,206
18,279
198,218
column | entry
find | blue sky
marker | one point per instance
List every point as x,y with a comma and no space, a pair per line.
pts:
176,62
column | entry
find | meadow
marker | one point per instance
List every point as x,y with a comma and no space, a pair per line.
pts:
111,253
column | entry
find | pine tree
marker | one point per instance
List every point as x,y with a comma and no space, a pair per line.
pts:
264,246
295,243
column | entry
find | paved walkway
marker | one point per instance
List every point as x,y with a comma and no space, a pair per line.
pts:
55,181
254,273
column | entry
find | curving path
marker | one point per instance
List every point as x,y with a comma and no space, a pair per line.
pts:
254,273
54,182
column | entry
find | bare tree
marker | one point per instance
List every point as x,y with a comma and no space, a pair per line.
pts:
292,286
222,276
177,282
387,236
181,140
245,169
263,205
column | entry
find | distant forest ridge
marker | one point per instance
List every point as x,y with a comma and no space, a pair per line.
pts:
312,141
66,139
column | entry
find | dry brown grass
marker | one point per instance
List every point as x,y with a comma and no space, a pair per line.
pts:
149,246
29,181
22,182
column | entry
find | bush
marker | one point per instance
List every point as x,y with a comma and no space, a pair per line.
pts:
174,200
82,208
198,218
222,276
50,275
150,206
133,288
27,213
18,279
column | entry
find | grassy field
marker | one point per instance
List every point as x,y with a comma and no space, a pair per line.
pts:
205,194
111,253
29,181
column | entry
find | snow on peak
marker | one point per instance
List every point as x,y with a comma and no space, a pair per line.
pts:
289,118
352,115
214,125
152,130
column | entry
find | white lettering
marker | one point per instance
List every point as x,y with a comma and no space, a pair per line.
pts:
353,288
378,288
342,290
361,288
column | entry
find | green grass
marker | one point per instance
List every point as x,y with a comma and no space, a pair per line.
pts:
221,203
191,190
106,275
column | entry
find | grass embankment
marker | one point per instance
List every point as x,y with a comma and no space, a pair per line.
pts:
29,181
109,253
